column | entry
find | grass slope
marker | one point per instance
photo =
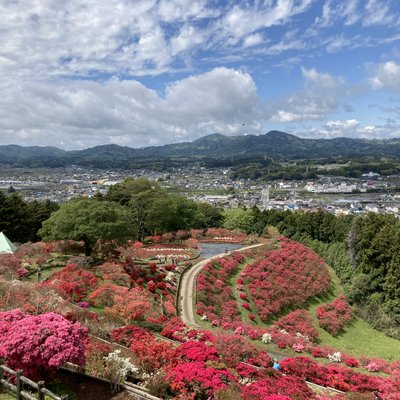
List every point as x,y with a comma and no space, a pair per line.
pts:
359,338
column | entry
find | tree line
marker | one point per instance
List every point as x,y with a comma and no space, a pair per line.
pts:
20,220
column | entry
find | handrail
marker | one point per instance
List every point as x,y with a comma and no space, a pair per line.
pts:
20,380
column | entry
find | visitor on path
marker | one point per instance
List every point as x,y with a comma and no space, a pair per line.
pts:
276,365
39,274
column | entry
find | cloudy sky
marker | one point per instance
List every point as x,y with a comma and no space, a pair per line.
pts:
79,73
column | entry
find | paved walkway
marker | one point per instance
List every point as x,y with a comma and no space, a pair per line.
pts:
187,293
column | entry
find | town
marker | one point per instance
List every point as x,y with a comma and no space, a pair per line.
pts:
340,195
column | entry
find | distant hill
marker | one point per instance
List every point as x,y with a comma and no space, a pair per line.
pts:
212,148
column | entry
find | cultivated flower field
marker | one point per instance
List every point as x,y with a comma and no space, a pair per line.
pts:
245,300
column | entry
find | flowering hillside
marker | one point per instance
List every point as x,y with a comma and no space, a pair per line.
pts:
287,276
241,293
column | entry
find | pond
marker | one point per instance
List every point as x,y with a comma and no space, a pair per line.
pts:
211,249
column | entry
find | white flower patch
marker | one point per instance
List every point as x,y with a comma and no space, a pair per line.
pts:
119,367
170,276
335,357
266,338
301,336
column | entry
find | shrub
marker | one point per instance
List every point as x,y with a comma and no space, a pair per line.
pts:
40,344
334,316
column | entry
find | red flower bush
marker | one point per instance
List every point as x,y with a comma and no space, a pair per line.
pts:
243,296
197,351
285,277
114,273
335,376
334,316
352,362
72,282
150,354
204,379
276,387
215,298
298,322
104,295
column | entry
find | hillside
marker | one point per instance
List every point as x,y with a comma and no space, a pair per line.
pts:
134,304
217,147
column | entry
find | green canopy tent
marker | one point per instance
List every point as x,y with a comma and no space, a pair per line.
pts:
6,247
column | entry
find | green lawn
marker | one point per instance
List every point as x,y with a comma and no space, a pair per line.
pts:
359,338
7,396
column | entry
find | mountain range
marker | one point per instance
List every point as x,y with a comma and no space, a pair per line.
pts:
214,148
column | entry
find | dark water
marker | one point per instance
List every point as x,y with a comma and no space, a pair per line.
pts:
211,249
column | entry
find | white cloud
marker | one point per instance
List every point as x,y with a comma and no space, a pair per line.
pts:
332,11
337,43
350,12
141,37
351,128
387,76
302,107
84,113
378,12
342,125
241,20
320,80
253,40
320,97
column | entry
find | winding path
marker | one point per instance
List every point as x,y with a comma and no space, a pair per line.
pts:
187,292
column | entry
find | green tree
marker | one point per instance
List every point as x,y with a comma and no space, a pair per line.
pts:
38,211
239,218
14,216
88,221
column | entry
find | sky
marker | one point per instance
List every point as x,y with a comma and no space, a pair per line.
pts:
80,73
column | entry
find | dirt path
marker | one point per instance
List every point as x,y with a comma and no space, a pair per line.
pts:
187,293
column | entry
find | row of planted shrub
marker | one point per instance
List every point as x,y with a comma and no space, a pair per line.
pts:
215,298
287,276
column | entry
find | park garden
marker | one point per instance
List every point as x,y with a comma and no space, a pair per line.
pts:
100,298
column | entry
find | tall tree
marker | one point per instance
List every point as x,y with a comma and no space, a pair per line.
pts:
87,221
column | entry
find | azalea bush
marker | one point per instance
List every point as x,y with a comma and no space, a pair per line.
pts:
277,387
298,323
216,299
39,344
338,377
72,282
287,276
334,316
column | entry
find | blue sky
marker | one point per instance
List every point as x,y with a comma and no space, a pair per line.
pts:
80,73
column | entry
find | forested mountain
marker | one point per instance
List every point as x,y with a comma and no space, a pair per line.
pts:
215,148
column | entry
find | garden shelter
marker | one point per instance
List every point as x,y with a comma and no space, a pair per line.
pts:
6,246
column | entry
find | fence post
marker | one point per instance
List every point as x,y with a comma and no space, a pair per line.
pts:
19,383
41,395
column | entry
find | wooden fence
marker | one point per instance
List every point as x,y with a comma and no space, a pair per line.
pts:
21,381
